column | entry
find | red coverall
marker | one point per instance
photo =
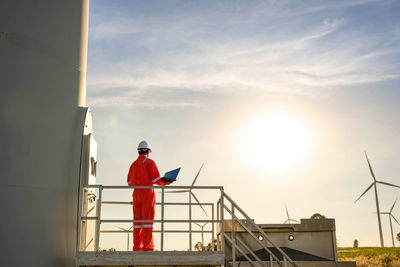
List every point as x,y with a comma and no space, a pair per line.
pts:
143,172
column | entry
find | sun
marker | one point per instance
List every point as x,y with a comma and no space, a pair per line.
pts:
275,140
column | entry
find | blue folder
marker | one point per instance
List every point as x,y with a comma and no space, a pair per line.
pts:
170,176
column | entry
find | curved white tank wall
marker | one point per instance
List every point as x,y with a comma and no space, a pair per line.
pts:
41,129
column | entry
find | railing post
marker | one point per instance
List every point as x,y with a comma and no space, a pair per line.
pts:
162,219
218,219
190,221
212,227
270,260
98,218
233,237
127,240
222,233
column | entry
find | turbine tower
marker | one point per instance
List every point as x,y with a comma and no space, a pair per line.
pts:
190,190
376,196
288,217
390,219
42,98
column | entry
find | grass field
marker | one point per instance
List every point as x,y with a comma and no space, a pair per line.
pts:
371,256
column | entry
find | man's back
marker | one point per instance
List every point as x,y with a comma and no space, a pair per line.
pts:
142,172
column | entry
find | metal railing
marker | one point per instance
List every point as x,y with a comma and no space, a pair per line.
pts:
222,238
162,221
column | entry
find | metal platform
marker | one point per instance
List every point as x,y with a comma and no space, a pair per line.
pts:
153,258
239,241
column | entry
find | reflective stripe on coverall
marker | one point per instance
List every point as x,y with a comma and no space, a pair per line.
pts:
143,172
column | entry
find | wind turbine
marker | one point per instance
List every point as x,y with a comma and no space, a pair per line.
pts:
190,190
390,219
202,233
376,196
288,217
127,243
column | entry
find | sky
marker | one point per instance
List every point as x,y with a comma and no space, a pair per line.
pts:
279,99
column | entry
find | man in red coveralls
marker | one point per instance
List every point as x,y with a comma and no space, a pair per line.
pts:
143,172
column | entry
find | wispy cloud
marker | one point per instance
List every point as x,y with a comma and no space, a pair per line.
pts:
237,50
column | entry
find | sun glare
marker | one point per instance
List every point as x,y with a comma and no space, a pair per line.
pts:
275,141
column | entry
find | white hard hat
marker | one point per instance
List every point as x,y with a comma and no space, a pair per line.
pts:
144,145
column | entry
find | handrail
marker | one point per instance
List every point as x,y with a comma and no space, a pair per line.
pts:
251,233
98,220
154,186
258,228
157,221
249,250
157,231
158,203
240,250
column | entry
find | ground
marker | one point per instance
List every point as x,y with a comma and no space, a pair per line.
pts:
371,256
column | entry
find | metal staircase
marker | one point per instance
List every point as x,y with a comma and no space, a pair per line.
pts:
237,244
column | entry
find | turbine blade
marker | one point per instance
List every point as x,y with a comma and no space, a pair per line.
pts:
198,224
287,212
388,184
197,175
393,205
121,228
395,219
285,221
295,220
369,187
198,202
369,165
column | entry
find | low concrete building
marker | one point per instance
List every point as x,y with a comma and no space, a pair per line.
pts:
312,242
